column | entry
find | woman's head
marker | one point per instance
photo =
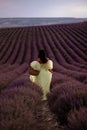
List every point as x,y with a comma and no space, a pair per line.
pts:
42,56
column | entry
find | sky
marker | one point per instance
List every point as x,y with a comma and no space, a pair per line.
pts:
43,8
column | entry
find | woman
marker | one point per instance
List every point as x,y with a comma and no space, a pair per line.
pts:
41,72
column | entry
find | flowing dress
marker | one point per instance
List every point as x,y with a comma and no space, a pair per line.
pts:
43,79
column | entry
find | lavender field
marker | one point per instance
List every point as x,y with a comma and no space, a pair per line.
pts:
20,100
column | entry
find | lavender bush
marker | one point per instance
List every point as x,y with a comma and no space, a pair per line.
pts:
77,119
66,97
12,74
18,106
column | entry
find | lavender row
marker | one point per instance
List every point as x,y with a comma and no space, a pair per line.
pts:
18,108
8,77
59,44
65,97
10,43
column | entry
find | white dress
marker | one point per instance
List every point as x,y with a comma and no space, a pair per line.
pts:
45,76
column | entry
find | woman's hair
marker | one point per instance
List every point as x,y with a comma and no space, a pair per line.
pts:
42,56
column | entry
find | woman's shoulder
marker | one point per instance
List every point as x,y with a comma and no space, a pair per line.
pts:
34,62
35,65
50,61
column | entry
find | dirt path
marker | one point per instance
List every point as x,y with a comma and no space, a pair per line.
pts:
46,120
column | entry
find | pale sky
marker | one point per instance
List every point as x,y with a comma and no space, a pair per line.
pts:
43,8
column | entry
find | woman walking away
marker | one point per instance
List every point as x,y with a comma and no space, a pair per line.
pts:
41,72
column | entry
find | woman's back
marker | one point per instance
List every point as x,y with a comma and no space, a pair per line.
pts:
43,79
42,67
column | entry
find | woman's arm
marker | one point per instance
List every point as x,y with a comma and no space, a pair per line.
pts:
51,70
33,72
